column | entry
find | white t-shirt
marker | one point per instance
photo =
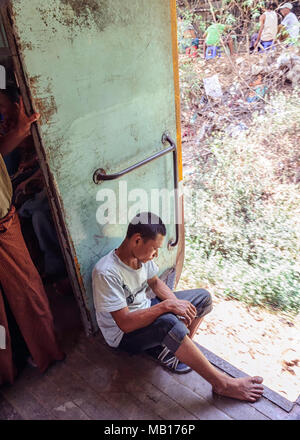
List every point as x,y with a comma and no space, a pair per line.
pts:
115,286
291,23
270,27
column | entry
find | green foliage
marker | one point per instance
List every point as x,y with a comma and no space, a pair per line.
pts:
242,212
242,16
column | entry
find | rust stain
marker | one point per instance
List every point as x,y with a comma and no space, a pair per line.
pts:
46,107
33,82
76,15
26,45
77,270
44,101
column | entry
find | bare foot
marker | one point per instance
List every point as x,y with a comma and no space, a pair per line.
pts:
244,388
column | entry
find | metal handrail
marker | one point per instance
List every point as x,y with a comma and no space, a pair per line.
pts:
100,175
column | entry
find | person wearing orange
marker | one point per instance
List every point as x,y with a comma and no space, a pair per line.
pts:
22,295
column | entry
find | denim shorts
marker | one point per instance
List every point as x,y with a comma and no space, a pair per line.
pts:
167,330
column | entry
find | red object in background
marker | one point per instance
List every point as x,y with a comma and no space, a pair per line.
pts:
27,299
192,51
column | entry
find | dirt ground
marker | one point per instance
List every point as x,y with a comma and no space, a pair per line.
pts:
254,340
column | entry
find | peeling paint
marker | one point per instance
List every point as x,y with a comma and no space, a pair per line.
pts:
26,45
33,80
76,15
89,9
46,107
104,103
44,100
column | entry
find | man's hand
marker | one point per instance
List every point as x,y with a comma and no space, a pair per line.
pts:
23,121
182,308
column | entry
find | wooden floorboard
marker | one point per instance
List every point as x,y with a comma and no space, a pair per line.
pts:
116,374
99,383
96,382
7,411
109,386
183,395
189,390
233,408
23,401
294,414
269,409
172,400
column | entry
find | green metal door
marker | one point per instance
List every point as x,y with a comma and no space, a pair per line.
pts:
100,73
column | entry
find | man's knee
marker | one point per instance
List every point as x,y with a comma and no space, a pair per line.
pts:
203,303
172,331
164,323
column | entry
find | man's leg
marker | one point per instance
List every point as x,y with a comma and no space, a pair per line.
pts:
168,331
194,327
246,388
201,299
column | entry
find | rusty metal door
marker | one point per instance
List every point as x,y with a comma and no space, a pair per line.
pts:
103,76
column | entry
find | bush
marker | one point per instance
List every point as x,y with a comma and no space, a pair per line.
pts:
242,211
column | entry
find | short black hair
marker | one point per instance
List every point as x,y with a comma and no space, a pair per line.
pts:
271,5
147,224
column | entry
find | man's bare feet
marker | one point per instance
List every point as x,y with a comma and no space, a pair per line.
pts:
244,388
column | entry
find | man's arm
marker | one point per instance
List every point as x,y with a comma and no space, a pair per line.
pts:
262,24
129,321
161,290
22,129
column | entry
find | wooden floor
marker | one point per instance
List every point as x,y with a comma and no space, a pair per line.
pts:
99,383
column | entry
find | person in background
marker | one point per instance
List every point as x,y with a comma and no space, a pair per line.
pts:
30,197
252,42
213,37
268,28
23,301
290,22
38,210
187,37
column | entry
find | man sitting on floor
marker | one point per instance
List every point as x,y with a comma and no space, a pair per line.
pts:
166,324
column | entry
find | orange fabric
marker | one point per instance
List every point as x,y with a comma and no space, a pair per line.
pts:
27,300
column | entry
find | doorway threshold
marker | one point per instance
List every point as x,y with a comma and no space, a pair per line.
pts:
269,394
